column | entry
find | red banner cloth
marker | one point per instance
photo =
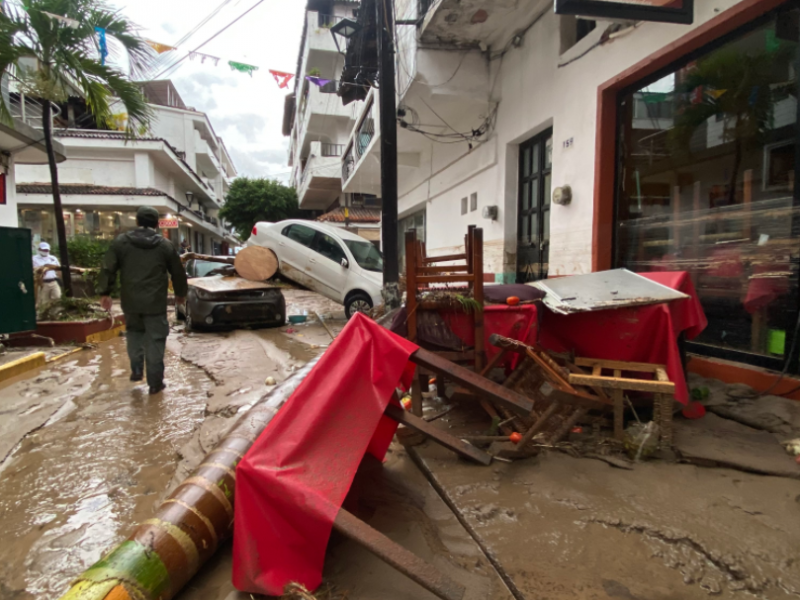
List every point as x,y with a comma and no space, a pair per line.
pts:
637,334
291,484
515,322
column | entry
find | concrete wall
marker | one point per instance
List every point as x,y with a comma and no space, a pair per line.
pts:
536,87
120,172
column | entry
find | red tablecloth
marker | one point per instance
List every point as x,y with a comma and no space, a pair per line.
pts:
640,334
290,485
515,322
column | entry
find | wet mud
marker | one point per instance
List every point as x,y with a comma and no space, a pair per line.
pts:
564,527
92,465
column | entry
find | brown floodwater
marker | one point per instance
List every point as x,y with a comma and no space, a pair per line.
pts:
75,487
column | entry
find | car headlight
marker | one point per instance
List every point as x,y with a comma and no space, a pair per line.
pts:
203,294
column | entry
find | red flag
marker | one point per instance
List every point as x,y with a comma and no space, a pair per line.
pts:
281,78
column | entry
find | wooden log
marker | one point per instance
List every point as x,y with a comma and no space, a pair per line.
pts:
256,263
208,258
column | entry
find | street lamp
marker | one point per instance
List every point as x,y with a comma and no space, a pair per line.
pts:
189,198
345,28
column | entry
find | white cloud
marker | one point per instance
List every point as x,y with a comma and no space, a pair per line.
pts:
246,111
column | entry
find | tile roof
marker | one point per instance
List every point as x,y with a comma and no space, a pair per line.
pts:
83,189
358,214
101,135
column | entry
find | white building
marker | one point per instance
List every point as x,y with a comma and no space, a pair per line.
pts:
319,124
674,144
180,167
20,144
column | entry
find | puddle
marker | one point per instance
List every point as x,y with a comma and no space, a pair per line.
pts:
77,485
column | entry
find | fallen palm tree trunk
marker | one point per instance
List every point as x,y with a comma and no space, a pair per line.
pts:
207,257
165,552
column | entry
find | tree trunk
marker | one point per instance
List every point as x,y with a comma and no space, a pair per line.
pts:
59,213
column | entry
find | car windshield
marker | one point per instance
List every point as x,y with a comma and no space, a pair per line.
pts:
367,255
203,268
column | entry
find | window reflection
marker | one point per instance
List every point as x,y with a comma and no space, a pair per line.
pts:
707,183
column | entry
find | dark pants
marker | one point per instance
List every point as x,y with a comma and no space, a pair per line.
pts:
147,340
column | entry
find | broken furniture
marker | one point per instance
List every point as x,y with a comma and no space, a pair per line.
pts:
423,272
557,405
615,385
643,334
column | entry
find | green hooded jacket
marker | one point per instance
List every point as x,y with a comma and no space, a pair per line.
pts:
143,259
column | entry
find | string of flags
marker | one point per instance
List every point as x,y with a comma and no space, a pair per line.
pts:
281,77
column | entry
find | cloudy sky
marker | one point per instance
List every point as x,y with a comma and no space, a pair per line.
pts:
246,112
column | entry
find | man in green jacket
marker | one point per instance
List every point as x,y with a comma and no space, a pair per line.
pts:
143,259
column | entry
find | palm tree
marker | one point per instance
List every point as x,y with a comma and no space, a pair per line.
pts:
59,37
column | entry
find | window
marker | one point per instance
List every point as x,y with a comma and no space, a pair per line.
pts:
329,248
706,185
366,254
583,27
301,234
464,205
473,202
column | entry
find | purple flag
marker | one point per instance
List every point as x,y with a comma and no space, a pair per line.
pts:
318,81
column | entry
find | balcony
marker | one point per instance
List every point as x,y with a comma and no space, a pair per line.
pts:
472,23
319,34
320,183
361,164
206,159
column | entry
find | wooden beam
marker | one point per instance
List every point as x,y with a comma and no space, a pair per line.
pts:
408,563
482,387
445,258
439,436
445,279
621,383
618,364
435,270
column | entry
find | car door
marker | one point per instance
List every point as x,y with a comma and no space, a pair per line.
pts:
325,265
294,251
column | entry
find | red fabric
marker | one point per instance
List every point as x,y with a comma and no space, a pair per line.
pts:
642,334
762,291
515,322
290,485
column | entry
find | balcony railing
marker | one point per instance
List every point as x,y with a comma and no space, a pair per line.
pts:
348,164
332,149
365,133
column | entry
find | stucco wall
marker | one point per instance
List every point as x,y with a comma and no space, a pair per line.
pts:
8,211
534,93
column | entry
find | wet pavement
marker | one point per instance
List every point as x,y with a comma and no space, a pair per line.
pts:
73,486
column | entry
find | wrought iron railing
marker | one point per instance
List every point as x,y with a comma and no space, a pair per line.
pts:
348,164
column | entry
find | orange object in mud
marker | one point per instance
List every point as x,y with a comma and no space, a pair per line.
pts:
512,301
577,430
406,402
515,437
432,381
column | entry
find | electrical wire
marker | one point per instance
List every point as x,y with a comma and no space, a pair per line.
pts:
177,64
194,30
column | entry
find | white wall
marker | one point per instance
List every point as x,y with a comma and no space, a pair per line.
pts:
90,171
534,93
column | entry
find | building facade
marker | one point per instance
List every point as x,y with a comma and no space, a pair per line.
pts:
582,144
180,167
318,123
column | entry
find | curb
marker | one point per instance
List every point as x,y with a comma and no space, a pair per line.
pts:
22,365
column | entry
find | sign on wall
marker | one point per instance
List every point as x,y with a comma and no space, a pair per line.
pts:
168,223
667,11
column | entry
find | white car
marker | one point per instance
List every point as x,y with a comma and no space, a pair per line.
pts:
338,264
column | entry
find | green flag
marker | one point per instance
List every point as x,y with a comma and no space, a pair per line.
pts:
242,68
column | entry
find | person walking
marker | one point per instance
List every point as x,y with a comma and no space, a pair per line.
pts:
50,289
145,261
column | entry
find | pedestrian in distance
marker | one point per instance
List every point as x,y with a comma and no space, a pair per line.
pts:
50,290
145,261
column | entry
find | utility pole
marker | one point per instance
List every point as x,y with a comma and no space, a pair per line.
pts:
388,122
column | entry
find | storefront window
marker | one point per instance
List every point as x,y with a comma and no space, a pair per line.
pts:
91,223
706,185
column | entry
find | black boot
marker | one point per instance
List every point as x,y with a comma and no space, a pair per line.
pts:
155,389
137,375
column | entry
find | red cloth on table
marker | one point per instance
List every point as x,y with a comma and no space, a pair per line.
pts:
636,334
290,485
516,322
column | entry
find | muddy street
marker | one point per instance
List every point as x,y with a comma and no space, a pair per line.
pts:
85,454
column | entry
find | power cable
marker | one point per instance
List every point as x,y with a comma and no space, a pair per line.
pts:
171,69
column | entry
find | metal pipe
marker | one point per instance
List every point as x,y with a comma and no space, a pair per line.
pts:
166,551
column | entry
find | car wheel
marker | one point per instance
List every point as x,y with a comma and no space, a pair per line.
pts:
357,303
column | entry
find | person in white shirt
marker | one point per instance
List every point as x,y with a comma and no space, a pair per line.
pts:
50,289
